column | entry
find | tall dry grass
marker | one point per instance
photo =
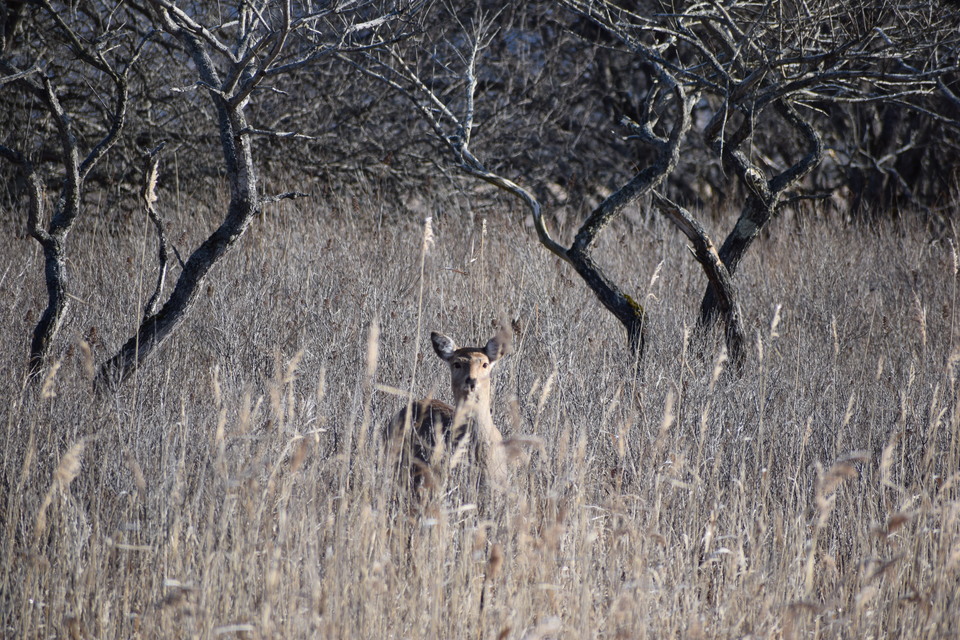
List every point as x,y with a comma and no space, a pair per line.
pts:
237,487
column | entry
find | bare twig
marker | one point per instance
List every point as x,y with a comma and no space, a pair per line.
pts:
148,194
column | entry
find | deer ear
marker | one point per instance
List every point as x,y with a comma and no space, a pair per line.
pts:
496,348
443,345
501,344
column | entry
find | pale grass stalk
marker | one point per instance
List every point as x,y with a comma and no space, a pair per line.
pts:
681,385
762,367
136,471
14,506
289,380
67,470
920,315
775,323
668,420
954,275
479,285
935,414
847,415
953,453
804,441
427,241
219,433
544,396
373,356
953,458
86,354
718,367
47,389
824,503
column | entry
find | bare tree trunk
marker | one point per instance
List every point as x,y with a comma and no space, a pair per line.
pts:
244,206
752,220
52,239
765,196
155,329
624,308
455,130
52,235
716,271
55,274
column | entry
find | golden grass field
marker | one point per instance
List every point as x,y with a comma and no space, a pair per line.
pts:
237,488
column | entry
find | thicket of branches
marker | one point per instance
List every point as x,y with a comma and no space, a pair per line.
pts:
562,84
749,104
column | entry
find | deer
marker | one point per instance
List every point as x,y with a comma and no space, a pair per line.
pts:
423,430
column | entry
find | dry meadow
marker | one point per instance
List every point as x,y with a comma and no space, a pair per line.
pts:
238,487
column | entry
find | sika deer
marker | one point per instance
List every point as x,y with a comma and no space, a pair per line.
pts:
465,429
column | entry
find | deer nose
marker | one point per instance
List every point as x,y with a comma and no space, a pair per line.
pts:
470,384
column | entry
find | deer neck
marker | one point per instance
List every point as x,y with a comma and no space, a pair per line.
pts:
476,407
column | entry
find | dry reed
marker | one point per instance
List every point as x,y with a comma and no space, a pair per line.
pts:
237,488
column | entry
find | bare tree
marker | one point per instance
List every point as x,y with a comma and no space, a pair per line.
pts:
453,120
767,71
245,53
95,53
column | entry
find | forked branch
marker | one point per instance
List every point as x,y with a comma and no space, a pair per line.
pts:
765,195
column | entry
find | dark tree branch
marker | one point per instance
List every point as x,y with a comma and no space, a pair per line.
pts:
763,202
289,195
715,270
149,196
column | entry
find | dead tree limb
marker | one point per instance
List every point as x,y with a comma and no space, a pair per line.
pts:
716,271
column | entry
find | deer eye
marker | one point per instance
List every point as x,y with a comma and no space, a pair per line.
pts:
456,365
485,364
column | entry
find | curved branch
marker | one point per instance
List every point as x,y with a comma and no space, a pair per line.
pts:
667,157
155,330
762,203
720,279
473,167
812,158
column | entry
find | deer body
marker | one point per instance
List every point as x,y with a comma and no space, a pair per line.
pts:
463,430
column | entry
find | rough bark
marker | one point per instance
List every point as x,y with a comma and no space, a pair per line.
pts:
244,206
762,203
716,271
